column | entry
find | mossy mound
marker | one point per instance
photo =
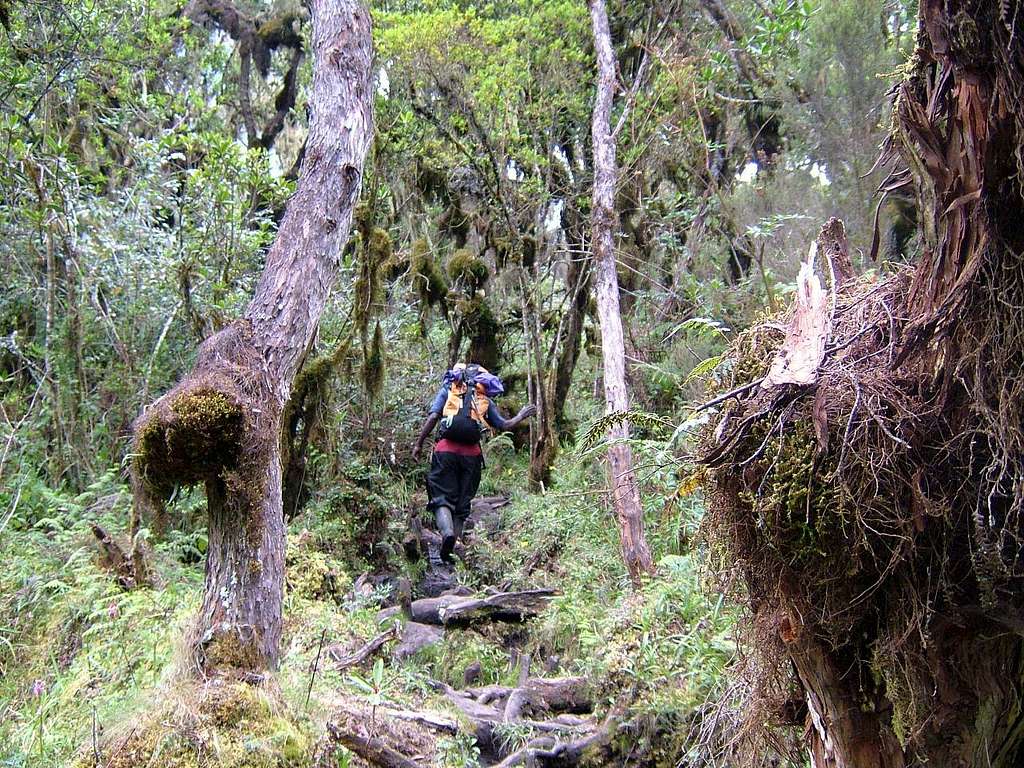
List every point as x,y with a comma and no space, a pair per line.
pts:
217,724
373,369
196,434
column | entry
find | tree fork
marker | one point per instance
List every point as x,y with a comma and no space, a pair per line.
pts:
221,424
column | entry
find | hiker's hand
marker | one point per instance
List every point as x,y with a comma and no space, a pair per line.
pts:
417,451
527,412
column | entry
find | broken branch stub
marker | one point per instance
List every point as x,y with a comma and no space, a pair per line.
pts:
801,354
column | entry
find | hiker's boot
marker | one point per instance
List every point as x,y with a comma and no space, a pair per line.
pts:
446,527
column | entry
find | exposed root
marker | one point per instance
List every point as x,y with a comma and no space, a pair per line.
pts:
875,520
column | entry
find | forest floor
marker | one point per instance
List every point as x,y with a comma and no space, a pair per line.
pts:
538,646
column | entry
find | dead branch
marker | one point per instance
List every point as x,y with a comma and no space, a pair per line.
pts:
372,750
344,661
449,610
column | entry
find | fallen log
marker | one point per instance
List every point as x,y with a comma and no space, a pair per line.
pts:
430,719
372,750
551,694
548,752
562,694
485,718
455,610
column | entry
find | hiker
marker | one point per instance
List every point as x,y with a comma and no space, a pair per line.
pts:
457,458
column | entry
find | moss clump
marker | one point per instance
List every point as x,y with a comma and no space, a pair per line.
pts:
431,181
380,247
428,279
796,502
467,270
227,651
502,251
373,364
198,435
314,373
312,574
375,249
220,725
754,351
454,223
529,249
483,328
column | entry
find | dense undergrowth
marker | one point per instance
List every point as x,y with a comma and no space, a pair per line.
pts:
87,667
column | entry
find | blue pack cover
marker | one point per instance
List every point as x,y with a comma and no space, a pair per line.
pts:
491,383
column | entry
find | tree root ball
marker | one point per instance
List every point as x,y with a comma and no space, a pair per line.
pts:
189,437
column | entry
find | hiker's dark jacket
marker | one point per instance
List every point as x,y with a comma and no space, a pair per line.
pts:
455,467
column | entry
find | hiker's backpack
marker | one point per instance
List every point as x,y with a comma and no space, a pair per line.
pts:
464,418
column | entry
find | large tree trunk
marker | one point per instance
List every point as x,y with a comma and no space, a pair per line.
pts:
880,537
222,424
625,493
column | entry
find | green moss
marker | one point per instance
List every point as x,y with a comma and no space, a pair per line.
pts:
380,245
227,651
201,435
789,485
373,365
313,373
502,251
430,180
467,270
483,329
222,725
428,279
312,574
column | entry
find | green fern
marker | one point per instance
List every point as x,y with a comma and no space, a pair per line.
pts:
641,419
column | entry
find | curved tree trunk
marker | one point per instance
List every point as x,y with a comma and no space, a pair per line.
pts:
221,425
625,493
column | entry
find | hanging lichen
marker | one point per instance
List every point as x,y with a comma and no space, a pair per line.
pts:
428,280
374,250
373,364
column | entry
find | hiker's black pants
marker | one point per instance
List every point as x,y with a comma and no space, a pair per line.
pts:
452,482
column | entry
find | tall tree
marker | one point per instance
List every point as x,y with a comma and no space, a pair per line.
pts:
625,493
221,425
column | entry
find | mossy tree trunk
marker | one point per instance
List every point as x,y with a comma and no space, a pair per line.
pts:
221,425
931,667
625,493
